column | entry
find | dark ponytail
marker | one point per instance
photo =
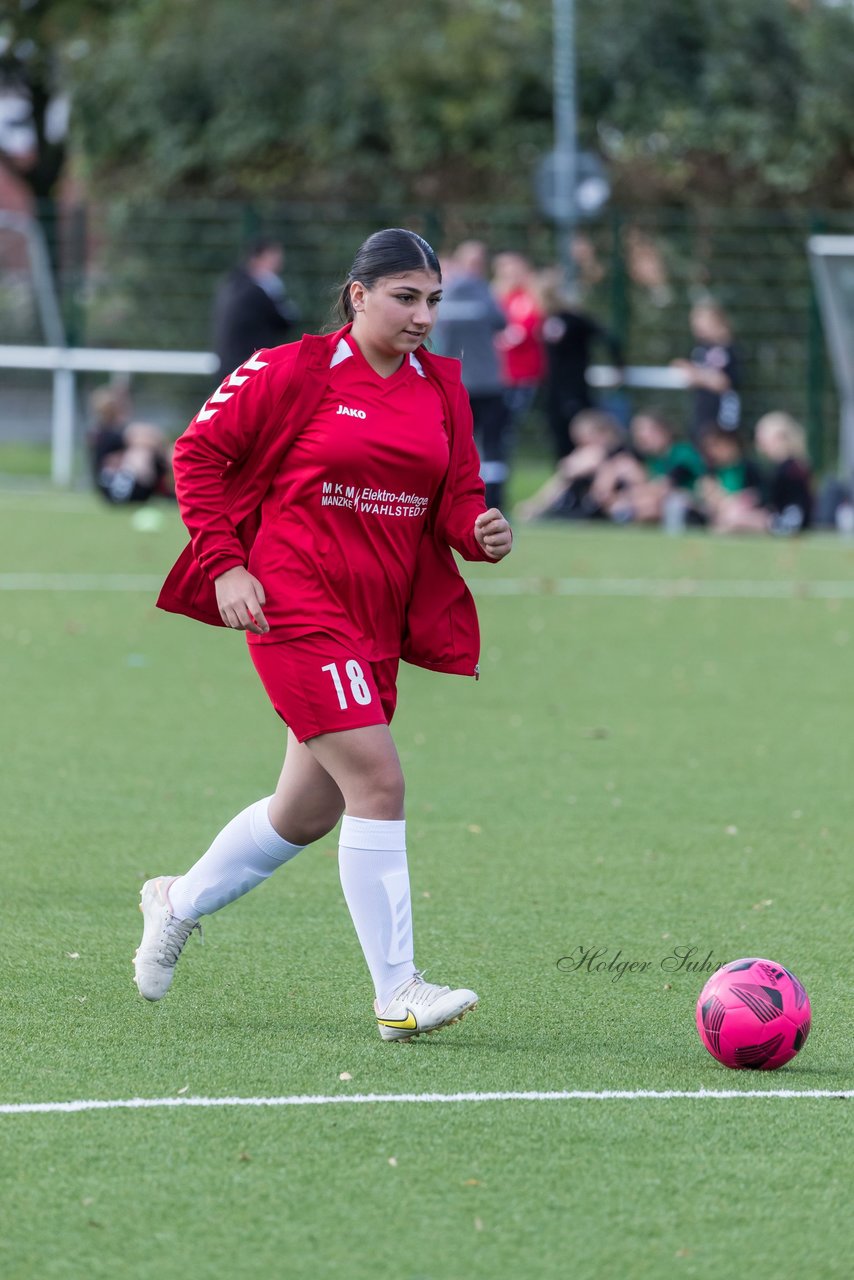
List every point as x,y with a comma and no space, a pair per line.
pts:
386,253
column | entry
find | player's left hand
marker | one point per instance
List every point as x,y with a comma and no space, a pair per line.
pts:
493,533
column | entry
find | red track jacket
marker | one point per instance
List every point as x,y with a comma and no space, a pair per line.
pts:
226,460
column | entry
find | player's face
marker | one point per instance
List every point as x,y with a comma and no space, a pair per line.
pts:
397,313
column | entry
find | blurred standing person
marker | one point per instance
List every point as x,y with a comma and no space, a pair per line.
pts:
469,319
520,345
569,334
252,309
712,371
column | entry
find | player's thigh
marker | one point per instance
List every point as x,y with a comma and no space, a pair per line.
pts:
306,795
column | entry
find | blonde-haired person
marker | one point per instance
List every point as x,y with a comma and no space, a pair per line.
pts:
787,499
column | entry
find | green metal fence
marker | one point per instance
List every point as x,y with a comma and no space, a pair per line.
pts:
144,276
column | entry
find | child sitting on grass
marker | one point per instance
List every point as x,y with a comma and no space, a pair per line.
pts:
634,485
730,473
786,500
594,437
131,461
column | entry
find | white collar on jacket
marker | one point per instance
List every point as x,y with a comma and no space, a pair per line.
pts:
343,350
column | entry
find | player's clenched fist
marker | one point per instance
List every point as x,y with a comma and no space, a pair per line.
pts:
493,534
240,597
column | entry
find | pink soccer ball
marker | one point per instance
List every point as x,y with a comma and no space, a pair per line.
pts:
753,1013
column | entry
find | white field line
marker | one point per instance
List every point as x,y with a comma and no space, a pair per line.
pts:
643,588
667,588
322,1100
95,582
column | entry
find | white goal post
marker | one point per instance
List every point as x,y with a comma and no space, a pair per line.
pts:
832,262
65,363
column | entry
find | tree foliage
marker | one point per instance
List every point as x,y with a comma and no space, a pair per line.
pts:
38,40
741,100
738,100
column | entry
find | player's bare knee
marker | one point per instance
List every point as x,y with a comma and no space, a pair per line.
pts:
316,828
305,827
380,794
375,793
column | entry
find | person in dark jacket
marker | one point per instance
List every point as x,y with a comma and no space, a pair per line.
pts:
569,335
252,309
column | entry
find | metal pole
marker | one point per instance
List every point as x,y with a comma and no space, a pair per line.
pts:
565,127
44,284
62,428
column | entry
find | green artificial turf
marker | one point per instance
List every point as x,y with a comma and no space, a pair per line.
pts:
633,773
21,458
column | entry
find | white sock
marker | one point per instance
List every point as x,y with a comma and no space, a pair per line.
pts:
375,880
244,853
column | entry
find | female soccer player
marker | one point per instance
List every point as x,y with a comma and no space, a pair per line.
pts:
323,485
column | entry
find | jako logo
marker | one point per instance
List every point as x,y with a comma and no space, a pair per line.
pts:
351,413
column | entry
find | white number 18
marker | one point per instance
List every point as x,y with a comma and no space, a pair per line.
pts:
359,689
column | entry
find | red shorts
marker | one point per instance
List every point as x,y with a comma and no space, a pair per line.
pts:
319,685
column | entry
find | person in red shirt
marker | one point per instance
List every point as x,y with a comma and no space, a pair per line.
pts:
520,344
324,484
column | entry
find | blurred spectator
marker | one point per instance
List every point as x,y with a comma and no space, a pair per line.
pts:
647,267
252,308
520,345
712,371
635,485
595,437
786,503
569,335
730,472
131,461
586,261
469,319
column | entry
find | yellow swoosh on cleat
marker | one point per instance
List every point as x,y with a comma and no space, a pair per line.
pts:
408,1023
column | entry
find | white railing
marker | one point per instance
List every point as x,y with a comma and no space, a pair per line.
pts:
649,377
65,363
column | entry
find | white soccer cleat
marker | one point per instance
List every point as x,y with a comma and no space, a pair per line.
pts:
419,1006
163,939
